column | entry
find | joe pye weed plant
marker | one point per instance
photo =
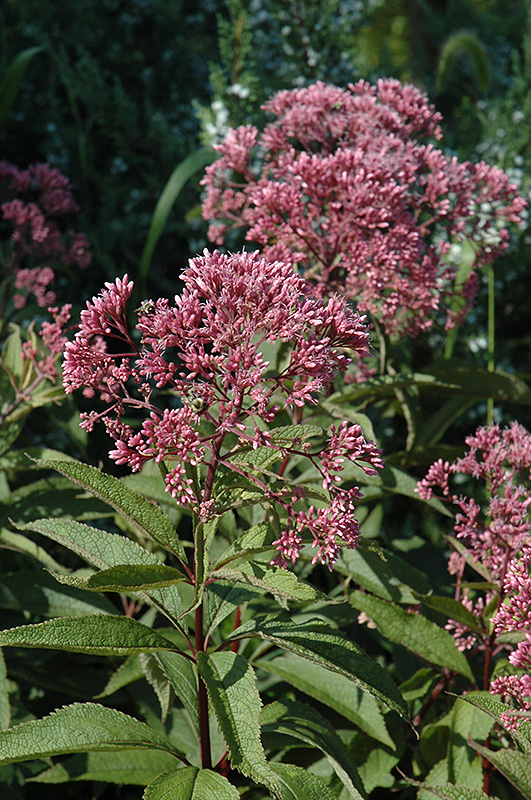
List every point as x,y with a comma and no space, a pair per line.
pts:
237,409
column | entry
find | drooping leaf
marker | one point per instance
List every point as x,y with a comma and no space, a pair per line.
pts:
318,642
129,671
279,582
466,720
306,724
182,674
97,634
452,609
38,593
191,783
383,573
333,690
514,765
231,685
130,767
126,577
145,517
492,706
76,729
418,634
158,679
296,784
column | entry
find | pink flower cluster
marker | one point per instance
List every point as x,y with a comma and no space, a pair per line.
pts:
497,537
206,351
345,185
34,202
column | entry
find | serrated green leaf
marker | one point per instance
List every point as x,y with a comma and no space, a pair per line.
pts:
452,609
182,674
514,765
130,767
191,783
231,685
296,783
38,593
158,679
5,708
447,791
147,518
23,459
305,723
334,691
105,550
9,432
128,672
50,497
97,634
224,599
22,544
318,642
279,582
492,706
418,634
465,721
126,577
382,573
76,729
256,540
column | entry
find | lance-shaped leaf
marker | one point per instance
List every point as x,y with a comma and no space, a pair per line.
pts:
514,765
334,691
5,707
128,672
76,729
105,550
318,642
279,582
413,631
258,539
452,609
447,791
97,634
182,674
231,686
126,577
297,783
38,593
134,767
495,709
191,783
224,598
306,724
50,497
383,573
147,518
12,79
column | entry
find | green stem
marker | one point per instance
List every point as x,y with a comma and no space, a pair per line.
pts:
202,696
491,337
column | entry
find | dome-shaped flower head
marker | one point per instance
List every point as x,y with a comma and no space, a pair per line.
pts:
347,186
207,352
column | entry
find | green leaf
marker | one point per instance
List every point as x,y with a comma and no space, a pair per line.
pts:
492,706
50,497
105,550
76,729
383,573
22,544
418,634
279,582
182,674
13,78
231,685
38,593
9,432
305,723
480,383
258,539
145,517
97,634
136,767
23,459
452,609
466,721
129,671
447,791
5,708
298,784
180,175
334,691
224,599
514,765
317,642
126,577
191,783
158,679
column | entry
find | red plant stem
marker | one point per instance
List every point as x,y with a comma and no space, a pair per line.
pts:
237,623
202,696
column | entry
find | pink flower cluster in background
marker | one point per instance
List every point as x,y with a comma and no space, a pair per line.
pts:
347,186
497,542
36,204
207,348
